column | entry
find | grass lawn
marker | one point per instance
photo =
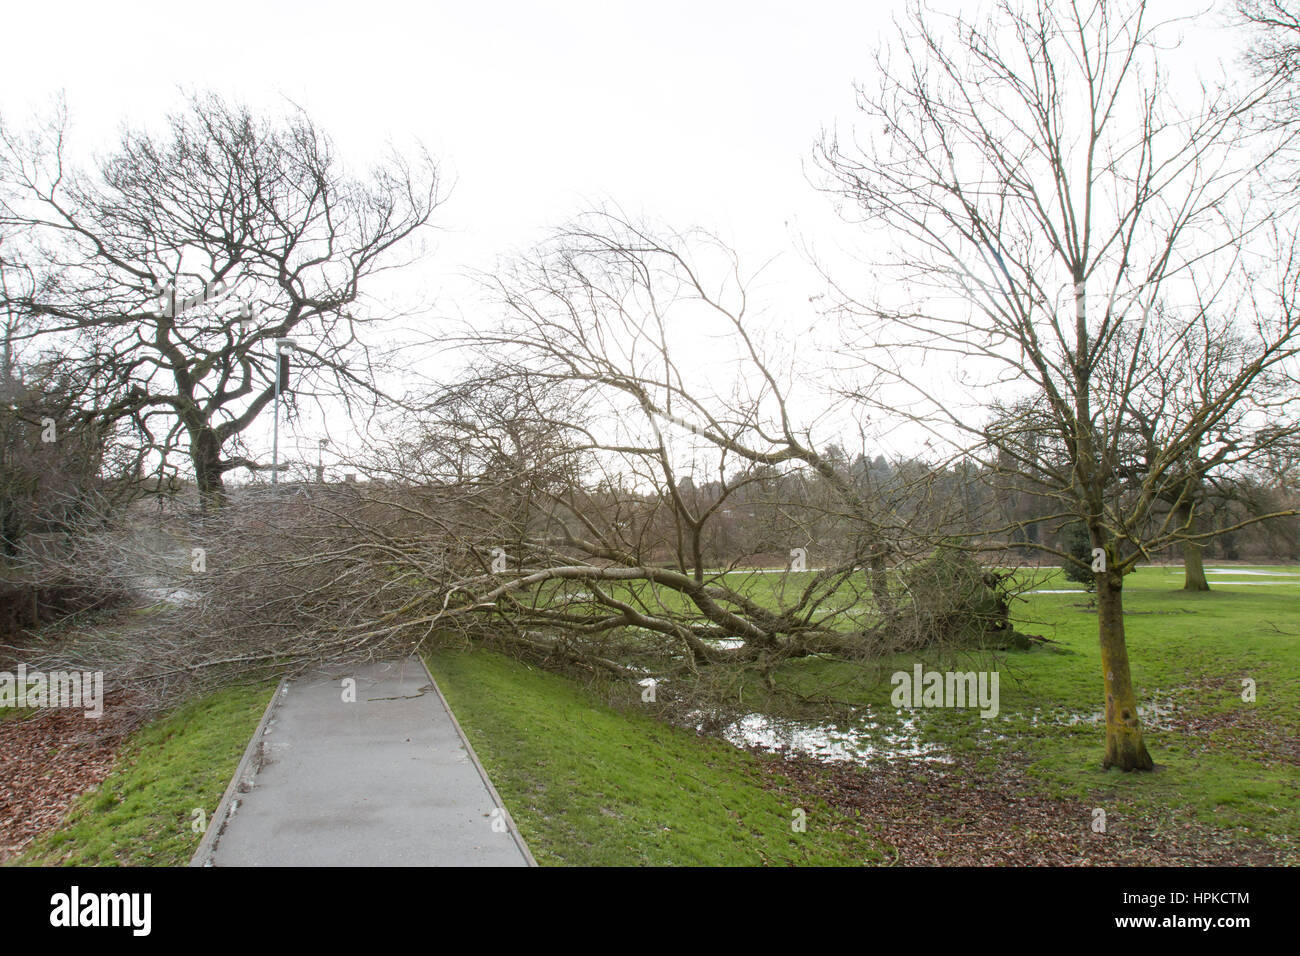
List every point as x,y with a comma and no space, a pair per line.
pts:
143,812
591,784
1227,760
1222,759
592,778
588,784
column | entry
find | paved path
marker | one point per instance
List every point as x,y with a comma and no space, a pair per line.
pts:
387,780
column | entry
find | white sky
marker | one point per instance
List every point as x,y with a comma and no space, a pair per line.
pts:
694,112
698,113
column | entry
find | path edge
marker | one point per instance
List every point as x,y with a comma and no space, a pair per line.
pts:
217,824
478,765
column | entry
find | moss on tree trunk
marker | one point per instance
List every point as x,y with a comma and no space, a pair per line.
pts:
1125,748
1194,568
1193,564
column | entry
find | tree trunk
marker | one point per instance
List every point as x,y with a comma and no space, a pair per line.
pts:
1124,746
878,576
1194,568
205,453
1193,565
10,529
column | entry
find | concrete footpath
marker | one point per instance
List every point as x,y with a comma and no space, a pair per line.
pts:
376,773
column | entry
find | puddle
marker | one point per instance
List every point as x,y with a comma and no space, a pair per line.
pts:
1267,574
1156,715
158,589
859,742
719,643
1256,584
785,570
724,643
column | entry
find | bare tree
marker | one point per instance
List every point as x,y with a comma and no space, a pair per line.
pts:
169,272
606,311
567,499
1276,50
561,498
1043,189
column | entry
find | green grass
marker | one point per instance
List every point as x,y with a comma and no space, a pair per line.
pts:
142,814
594,785
588,784
1191,650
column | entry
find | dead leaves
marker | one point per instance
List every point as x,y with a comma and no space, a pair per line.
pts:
47,760
957,815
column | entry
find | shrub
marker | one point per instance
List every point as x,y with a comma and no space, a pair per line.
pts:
952,600
1075,541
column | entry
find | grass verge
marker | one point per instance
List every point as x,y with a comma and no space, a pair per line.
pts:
591,785
143,813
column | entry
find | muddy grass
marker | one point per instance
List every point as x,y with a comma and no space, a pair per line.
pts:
959,815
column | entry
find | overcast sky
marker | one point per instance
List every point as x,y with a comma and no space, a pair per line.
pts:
694,113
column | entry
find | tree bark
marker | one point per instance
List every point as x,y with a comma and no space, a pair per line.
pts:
1124,746
878,576
205,453
1193,565
1194,568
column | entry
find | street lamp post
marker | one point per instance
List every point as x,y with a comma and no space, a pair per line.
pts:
282,349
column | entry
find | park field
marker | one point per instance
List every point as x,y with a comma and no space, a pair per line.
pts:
575,761
825,770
